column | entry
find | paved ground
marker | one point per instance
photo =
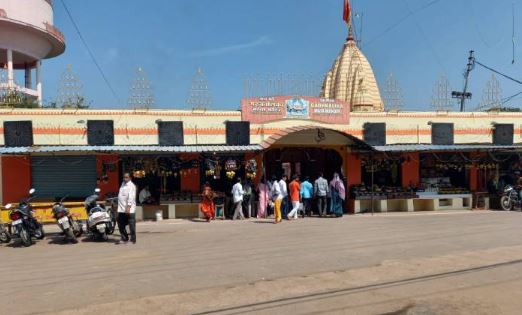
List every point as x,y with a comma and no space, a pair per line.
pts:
423,263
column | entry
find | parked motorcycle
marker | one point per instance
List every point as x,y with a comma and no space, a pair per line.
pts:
5,236
510,198
71,227
23,224
99,224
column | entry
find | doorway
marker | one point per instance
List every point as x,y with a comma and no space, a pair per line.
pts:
305,161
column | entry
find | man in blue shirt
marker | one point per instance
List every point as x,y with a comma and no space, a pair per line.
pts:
307,192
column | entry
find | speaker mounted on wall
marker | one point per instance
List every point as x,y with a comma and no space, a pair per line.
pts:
170,133
100,132
374,133
442,133
238,132
503,134
18,133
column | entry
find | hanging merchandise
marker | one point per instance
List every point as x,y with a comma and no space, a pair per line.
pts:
231,165
139,174
211,167
231,174
251,169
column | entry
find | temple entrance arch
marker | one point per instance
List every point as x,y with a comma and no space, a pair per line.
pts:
308,150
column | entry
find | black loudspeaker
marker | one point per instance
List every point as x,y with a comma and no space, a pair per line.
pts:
100,132
238,132
503,134
170,133
442,133
374,133
18,133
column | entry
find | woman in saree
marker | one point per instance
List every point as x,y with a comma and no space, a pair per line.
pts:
263,197
338,193
207,206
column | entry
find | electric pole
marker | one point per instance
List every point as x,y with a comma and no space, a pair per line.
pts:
464,95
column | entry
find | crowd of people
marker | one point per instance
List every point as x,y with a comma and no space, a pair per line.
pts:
278,197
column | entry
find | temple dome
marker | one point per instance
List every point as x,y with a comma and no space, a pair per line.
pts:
351,79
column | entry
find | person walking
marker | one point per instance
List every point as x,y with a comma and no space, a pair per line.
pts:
295,194
307,192
284,194
263,198
321,191
338,193
237,196
277,197
247,198
206,205
127,210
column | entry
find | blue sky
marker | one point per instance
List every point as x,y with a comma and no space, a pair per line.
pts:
416,40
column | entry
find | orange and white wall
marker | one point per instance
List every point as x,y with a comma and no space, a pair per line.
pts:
67,127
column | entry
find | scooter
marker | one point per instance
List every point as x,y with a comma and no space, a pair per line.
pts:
71,227
510,198
99,224
23,224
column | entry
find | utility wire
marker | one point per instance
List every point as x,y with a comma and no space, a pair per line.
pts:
401,20
90,52
425,37
498,72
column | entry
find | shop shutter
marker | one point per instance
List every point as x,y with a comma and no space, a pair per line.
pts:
442,133
170,133
374,133
503,134
58,176
238,132
18,133
100,132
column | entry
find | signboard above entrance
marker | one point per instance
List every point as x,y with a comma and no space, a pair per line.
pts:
264,109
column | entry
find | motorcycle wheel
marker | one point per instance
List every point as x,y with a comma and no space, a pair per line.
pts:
5,237
70,235
39,233
25,237
506,203
77,229
104,236
113,222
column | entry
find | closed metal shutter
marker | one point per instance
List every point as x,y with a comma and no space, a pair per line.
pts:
58,176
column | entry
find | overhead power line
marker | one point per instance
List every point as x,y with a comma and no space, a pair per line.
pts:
401,20
90,52
498,72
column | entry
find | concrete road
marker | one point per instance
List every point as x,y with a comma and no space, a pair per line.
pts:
424,263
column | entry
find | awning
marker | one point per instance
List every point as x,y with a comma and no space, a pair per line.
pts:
453,147
133,149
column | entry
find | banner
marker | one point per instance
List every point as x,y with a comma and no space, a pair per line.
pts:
265,109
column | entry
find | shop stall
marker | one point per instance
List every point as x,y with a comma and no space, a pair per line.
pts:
387,193
445,182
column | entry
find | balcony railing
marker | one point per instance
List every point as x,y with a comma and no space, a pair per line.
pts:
54,31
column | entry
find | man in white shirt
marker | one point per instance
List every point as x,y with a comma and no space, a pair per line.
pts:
237,195
127,210
284,194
